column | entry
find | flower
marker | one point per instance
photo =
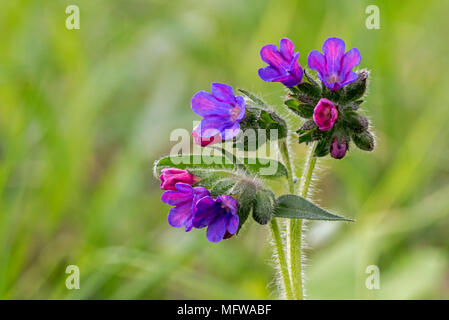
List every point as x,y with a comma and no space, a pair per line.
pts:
325,114
218,215
338,148
221,112
334,68
204,141
283,63
184,198
170,177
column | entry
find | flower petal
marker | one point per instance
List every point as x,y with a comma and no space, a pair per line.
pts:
205,104
333,49
349,61
213,125
229,202
350,77
316,61
223,92
178,216
175,198
287,48
241,104
269,73
205,212
230,132
217,229
233,224
270,54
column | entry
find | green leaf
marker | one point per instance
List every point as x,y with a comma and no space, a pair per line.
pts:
356,90
313,81
323,146
258,101
265,168
222,186
309,89
295,207
301,109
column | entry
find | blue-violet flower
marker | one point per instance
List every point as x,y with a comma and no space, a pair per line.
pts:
334,67
184,198
283,63
221,110
219,215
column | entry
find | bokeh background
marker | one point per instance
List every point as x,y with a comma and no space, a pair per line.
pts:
84,113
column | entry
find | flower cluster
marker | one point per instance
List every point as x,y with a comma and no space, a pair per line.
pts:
330,110
222,200
195,208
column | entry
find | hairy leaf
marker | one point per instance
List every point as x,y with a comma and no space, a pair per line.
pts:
265,168
295,207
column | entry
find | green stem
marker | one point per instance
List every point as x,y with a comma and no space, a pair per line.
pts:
283,149
296,226
283,265
281,259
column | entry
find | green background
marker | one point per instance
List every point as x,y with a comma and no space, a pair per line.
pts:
84,113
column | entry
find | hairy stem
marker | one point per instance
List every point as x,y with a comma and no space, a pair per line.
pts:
296,226
283,266
283,149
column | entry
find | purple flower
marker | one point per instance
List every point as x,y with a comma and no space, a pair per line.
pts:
218,215
338,148
171,176
221,112
283,63
184,198
325,114
334,68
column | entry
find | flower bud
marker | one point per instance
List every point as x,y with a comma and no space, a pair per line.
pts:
228,235
202,141
338,148
364,140
325,114
170,177
357,122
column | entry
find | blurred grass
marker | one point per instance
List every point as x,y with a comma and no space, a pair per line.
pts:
83,114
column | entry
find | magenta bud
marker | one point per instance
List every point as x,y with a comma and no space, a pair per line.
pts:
338,149
202,141
170,177
228,235
325,114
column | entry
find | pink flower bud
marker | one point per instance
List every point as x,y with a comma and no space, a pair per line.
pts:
338,149
202,141
325,114
170,177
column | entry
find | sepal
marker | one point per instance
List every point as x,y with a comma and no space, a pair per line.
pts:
357,89
263,206
364,140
